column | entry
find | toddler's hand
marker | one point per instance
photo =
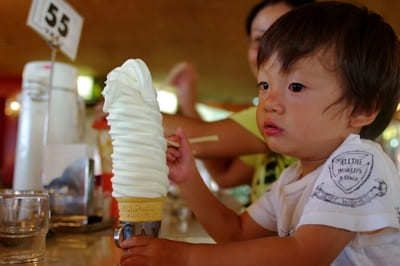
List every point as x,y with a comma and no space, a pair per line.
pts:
180,160
146,251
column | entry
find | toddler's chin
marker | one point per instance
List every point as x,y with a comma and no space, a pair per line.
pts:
274,146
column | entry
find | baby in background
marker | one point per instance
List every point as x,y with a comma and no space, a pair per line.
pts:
329,83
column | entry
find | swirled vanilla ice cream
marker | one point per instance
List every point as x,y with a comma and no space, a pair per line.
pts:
140,180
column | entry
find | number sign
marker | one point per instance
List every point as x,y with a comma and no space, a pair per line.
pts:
57,20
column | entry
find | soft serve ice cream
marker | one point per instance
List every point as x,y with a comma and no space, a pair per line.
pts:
140,180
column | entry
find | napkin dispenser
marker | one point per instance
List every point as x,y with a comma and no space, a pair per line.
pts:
68,175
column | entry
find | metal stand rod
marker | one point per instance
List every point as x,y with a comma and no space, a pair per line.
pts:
54,45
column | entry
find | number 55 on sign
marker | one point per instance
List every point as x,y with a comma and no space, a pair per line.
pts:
57,20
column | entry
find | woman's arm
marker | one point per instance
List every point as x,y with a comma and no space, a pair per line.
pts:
229,172
233,139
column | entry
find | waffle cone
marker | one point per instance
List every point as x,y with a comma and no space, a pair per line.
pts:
135,209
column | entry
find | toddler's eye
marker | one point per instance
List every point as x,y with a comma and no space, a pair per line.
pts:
296,87
263,85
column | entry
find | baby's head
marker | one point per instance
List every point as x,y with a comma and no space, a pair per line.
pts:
365,52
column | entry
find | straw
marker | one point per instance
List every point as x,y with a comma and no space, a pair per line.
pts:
195,140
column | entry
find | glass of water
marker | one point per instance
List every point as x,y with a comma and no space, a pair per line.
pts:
24,222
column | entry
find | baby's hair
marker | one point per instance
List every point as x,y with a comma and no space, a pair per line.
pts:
260,6
365,49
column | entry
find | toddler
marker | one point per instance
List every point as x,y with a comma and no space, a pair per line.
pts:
329,79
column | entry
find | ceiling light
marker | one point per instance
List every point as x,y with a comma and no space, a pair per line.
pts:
209,113
394,143
255,101
167,101
85,87
13,107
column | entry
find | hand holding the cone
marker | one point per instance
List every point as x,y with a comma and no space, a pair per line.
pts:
147,251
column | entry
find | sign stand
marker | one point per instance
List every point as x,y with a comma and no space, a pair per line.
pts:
54,46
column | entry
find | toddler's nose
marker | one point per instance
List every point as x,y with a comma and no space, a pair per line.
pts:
271,101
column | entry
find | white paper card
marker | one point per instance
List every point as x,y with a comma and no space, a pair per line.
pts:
57,19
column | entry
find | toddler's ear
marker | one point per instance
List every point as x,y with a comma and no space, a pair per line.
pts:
363,118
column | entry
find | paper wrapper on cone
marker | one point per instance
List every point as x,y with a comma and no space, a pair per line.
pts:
135,209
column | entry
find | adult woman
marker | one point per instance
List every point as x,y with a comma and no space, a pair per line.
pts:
238,134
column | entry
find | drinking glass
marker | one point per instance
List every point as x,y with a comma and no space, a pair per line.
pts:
24,222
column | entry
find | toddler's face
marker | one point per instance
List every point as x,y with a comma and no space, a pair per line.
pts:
297,114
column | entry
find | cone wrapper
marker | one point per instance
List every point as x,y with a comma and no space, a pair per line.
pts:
135,209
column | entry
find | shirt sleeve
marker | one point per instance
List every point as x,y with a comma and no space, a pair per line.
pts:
253,160
357,190
262,211
247,119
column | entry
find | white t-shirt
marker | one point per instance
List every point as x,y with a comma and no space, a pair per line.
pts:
357,189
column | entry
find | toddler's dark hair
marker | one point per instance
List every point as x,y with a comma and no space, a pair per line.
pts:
365,49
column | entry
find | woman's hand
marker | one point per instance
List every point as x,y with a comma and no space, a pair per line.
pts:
184,78
145,251
180,160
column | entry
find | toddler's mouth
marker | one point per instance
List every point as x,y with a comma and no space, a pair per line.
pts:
270,129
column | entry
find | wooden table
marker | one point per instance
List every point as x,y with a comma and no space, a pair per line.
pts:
98,248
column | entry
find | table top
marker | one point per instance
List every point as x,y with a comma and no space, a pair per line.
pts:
81,249
98,249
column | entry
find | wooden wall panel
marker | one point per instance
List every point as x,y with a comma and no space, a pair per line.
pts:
9,87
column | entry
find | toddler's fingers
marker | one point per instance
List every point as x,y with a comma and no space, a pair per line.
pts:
137,250
173,154
184,143
173,137
171,158
135,241
173,151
